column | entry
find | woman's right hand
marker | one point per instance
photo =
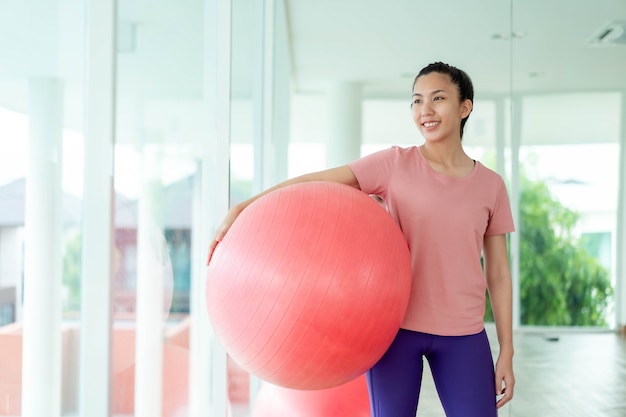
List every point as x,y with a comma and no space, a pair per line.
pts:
343,175
220,232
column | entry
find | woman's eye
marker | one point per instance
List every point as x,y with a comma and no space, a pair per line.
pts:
417,101
438,98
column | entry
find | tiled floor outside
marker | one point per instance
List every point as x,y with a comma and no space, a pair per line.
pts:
567,374
558,374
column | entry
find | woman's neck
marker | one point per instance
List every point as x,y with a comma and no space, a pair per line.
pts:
448,153
447,159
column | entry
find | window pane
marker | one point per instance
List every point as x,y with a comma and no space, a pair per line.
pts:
568,114
161,126
41,158
568,220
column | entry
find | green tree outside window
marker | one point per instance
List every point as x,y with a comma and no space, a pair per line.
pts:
561,284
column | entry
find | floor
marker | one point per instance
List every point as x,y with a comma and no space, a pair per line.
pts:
559,374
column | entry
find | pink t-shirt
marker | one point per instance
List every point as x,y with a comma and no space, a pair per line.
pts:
444,220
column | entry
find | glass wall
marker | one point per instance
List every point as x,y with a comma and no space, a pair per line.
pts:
259,125
246,44
41,186
569,129
167,89
161,68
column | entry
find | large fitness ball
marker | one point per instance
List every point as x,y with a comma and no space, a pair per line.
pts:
347,400
308,288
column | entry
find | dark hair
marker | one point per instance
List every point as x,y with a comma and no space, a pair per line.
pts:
457,76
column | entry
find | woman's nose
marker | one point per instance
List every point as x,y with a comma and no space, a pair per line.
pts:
426,110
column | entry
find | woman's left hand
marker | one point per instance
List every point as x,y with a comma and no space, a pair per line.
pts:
505,380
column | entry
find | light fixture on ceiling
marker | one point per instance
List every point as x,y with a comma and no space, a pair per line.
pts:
505,36
610,34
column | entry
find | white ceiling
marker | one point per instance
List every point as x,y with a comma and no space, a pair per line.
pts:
379,43
384,43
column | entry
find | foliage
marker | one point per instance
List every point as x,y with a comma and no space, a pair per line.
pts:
560,283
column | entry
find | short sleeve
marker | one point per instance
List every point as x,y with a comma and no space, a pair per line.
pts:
501,218
374,171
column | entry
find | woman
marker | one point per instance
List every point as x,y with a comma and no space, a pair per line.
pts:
451,210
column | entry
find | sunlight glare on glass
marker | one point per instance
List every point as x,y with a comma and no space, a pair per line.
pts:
13,145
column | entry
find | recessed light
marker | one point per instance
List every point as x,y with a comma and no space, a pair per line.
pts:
611,33
505,36
502,36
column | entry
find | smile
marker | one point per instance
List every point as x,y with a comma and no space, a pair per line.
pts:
430,124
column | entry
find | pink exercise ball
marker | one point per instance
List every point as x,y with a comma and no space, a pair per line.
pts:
308,288
347,400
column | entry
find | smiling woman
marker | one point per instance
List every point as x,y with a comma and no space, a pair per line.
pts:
461,210
224,99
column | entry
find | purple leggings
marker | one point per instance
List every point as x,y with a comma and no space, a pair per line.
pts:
462,368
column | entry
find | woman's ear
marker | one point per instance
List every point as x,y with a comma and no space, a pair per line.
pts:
466,108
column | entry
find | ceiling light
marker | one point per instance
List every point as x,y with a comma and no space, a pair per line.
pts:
611,33
505,36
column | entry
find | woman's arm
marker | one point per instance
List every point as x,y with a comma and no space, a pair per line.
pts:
342,174
499,284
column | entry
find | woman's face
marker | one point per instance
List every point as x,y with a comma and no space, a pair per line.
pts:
436,108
